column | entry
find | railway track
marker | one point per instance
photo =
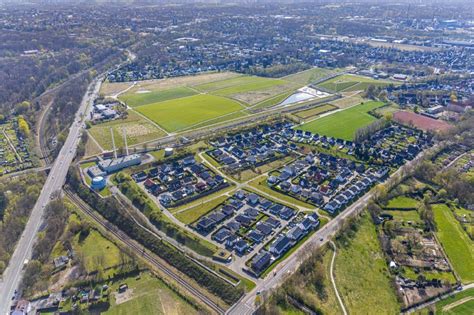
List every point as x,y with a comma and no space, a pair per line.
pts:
141,252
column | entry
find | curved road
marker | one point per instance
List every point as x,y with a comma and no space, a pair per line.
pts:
246,305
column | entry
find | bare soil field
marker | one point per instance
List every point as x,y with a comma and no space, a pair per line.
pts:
347,101
420,121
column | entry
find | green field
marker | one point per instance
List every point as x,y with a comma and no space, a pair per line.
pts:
138,99
138,130
96,251
348,83
178,114
345,123
361,273
238,85
147,295
405,215
310,75
458,246
462,303
402,202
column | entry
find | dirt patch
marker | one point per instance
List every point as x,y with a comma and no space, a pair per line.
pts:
457,303
113,88
137,130
143,91
163,84
64,277
420,121
255,97
123,297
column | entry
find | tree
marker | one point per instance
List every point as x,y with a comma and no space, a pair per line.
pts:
23,126
22,107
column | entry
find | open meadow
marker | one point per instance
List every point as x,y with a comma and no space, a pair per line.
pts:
178,114
343,124
147,97
458,246
349,82
361,273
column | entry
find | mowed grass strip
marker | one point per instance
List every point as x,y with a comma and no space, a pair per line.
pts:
345,123
239,85
456,243
178,114
362,275
138,99
305,114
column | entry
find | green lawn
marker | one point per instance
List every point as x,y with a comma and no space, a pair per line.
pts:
362,275
458,246
238,85
405,215
138,99
148,295
345,123
174,115
402,202
97,250
310,75
463,308
348,82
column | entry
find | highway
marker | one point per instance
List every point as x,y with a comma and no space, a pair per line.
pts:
246,305
56,178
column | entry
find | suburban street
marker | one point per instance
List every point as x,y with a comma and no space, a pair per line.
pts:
247,305
56,178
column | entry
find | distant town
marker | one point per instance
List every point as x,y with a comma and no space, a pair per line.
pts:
236,158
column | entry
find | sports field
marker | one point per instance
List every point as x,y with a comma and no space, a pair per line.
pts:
178,114
349,82
343,124
458,246
144,97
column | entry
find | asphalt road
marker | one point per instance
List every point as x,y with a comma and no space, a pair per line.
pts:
56,178
246,305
